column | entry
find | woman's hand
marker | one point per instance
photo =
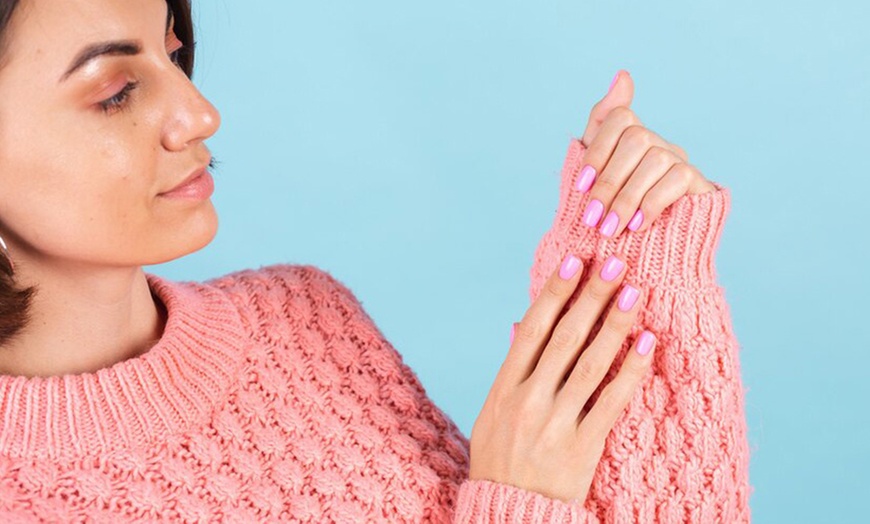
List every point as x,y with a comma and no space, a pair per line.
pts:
533,431
632,173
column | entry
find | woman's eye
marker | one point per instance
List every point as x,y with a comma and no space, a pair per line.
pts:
118,101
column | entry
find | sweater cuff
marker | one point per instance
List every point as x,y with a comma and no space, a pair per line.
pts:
678,249
482,501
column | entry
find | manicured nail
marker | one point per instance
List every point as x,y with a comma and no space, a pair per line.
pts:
636,220
513,331
627,298
613,82
608,227
611,268
645,342
587,176
569,267
593,212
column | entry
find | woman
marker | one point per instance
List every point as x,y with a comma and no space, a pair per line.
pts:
269,394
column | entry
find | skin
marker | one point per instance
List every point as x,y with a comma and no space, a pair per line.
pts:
636,168
79,207
534,430
81,212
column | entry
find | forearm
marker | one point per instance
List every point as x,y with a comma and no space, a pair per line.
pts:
679,452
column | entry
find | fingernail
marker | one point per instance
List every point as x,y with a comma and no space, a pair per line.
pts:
636,220
593,212
627,297
611,268
513,331
569,267
613,82
645,342
608,227
587,176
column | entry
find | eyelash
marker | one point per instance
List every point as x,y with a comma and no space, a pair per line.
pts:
118,102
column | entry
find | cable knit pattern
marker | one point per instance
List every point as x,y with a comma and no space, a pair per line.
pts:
679,453
273,397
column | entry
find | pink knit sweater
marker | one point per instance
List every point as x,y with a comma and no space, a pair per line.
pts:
272,396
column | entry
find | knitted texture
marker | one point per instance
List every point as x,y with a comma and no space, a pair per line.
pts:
679,452
273,397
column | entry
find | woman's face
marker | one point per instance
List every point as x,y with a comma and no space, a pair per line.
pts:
82,159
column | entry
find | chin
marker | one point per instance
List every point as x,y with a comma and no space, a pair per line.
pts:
195,233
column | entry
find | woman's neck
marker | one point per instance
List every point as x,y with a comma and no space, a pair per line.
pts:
84,322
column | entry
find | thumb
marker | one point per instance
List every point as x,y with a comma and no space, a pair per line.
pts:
621,93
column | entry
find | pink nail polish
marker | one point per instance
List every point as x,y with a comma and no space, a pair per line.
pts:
611,268
587,176
636,220
645,342
627,297
613,82
608,227
593,212
513,331
569,267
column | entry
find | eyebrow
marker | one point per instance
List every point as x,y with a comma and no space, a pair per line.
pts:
118,47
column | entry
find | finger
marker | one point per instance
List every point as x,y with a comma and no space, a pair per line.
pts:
672,185
627,208
601,149
533,330
574,327
621,93
619,164
596,360
679,151
618,393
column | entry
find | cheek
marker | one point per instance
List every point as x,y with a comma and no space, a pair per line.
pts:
77,201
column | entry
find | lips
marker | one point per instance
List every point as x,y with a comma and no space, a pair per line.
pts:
196,173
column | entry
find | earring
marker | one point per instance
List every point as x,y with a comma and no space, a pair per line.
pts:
6,253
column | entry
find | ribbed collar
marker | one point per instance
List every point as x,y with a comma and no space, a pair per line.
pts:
135,402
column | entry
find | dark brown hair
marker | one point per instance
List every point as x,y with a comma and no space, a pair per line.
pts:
15,303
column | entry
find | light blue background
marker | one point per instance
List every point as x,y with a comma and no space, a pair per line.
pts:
412,149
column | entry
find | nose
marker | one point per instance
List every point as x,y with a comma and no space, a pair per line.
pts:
192,116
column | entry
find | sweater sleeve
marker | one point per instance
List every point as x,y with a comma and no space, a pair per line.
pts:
441,452
679,452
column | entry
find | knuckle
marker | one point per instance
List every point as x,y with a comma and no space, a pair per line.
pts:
680,152
623,203
605,186
529,331
555,288
654,200
638,135
551,437
563,339
618,322
660,156
598,290
613,398
633,369
530,404
587,370
683,172
637,367
622,115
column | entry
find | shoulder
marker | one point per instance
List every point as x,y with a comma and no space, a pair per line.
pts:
302,291
282,282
